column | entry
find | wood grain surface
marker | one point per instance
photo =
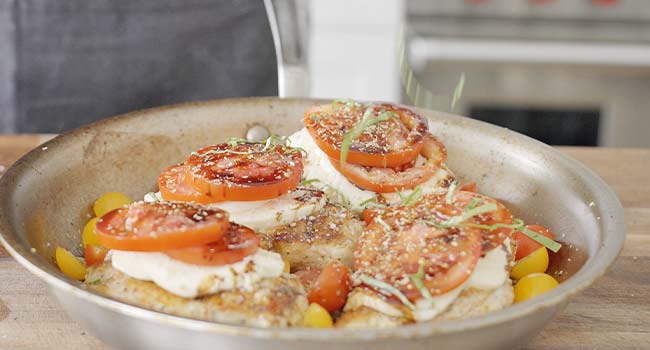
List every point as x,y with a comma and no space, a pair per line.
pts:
612,314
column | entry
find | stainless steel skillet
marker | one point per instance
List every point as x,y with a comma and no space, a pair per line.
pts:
46,196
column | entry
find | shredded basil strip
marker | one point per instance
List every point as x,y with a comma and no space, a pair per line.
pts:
467,214
412,197
543,240
371,202
449,198
348,102
458,91
315,117
306,182
473,203
382,222
419,284
387,288
520,226
366,121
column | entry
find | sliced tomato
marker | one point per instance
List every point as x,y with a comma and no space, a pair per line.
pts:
491,238
236,244
389,143
332,287
161,226
384,180
94,254
392,255
469,187
527,245
244,172
174,186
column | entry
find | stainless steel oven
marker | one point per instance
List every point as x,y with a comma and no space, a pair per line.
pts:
566,72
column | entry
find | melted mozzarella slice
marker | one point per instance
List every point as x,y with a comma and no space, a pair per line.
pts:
190,281
267,214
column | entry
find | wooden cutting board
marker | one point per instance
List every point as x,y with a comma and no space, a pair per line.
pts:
612,314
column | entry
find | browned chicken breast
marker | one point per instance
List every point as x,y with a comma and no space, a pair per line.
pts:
314,242
274,302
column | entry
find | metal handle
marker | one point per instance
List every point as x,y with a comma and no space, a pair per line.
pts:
288,20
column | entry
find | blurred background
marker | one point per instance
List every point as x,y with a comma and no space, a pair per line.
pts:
567,72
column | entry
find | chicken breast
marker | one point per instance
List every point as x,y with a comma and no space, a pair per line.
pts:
273,302
314,242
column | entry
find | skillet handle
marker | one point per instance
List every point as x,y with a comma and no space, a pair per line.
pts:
289,26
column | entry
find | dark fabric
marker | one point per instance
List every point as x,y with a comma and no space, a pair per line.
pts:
82,60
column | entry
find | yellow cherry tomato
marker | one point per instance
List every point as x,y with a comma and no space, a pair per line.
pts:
109,201
287,266
69,264
317,317
535,262
533,285
89,235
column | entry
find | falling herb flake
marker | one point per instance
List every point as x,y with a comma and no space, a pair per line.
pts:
387,288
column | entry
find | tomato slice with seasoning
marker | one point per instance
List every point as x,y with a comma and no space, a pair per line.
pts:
388,143
393,254
491,238
245,171
237,243
385,180
174,186
94,254
331,288
160,226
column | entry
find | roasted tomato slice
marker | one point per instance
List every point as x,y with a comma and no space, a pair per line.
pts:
94,254
174,186
161,226
388,143
491,238
237,243
383,180
244,171
331,288
526,245
392,255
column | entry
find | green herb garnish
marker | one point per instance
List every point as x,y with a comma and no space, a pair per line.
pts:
473,203
371,202
306,182
366,121
381,221
449,198
520,226
315,118
348,102
95,282
411,198
419,284
458,91
388,289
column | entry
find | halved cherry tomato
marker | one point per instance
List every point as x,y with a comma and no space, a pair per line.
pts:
245,172
161,226
94,254
384,180
332,287
526,245
174,186
236,244
491,238
393,254
389,143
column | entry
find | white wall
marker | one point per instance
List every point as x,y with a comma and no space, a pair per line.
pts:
353,49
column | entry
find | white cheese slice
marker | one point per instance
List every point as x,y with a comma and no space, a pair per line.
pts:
190,281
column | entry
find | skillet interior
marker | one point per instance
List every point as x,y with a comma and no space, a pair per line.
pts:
45,197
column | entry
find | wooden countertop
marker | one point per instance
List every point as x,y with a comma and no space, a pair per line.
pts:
612,314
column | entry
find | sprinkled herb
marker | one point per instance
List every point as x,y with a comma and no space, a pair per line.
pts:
387,288
419,284
449,198
467,214
366,121
473,203
339,194
520,226
458,91
411,198
95,282
381,221
348,102
315,117
306,182
371,202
